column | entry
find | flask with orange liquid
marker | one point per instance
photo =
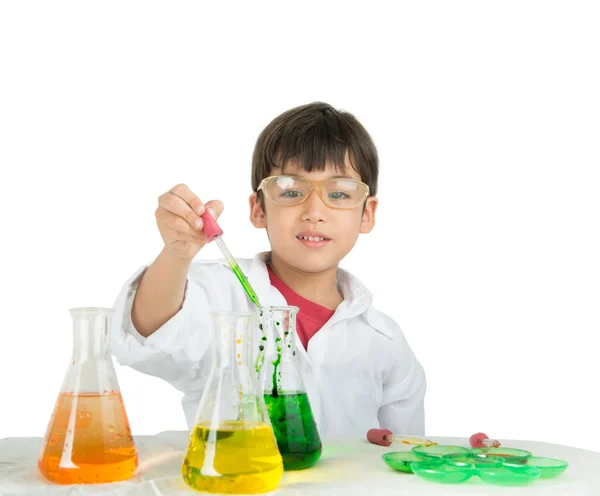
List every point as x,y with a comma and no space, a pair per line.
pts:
88,439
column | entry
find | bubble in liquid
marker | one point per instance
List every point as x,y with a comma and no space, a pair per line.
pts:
111,428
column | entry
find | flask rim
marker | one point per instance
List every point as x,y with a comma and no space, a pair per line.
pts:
281,308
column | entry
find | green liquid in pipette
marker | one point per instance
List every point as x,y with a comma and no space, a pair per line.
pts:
237,271
242,278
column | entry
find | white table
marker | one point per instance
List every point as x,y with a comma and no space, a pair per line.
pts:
347,466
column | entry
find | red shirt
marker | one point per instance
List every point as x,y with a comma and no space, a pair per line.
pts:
311,316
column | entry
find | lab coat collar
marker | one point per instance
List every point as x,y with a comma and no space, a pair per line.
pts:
357,298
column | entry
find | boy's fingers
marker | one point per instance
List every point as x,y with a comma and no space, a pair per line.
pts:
215,207
176,222
186,194
176,205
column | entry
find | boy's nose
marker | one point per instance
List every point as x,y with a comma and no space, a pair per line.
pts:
314,208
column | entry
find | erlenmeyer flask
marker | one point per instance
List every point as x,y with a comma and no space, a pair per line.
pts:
284,392
88,439
232,447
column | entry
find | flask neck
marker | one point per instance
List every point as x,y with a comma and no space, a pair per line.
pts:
280,325
90,332
232,338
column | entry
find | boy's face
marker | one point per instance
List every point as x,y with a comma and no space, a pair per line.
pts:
287,225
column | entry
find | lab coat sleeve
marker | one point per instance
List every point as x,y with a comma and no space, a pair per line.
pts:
176,352
402,409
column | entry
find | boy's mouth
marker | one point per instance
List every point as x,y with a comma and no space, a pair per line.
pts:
313,239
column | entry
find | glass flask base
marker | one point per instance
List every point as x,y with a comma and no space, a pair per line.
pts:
88,441
295,429
236,458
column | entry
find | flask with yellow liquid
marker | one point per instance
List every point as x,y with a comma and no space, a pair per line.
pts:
232,447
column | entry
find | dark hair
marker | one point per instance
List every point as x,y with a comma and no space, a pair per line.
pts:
314,134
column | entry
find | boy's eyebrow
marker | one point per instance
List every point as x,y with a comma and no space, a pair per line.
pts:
330,177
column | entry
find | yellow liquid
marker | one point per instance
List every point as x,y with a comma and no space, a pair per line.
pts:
235,458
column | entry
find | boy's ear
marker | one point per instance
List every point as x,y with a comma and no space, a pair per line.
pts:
368,217
257,216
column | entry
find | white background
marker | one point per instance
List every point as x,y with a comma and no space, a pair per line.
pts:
486,116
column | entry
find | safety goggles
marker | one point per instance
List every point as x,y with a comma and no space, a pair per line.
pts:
343,193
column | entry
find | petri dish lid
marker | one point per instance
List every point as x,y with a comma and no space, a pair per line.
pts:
549,467
440,451
509,455
435,470
400,460
513,475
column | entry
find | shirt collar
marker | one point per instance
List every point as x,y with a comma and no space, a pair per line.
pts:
355,293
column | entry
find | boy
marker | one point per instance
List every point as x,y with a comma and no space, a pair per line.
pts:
314,179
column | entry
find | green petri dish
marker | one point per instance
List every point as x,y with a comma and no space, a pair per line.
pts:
474,462
515,475
435,470
400,460
440,451
549,467
509,455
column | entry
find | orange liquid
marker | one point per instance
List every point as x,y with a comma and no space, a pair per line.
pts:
88,441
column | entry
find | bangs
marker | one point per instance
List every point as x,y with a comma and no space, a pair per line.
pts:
314,148
314,137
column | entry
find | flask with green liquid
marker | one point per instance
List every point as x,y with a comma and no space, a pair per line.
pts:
285,396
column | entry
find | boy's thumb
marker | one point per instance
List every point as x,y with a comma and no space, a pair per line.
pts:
215,207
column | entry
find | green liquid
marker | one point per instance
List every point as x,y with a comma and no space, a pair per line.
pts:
295,429
275,365
242,278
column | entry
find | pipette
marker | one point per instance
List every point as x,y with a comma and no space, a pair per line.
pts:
480,440
384,437
212,231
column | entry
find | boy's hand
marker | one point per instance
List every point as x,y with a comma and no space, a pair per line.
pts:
179,222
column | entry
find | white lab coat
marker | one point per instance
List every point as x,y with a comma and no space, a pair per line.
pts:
359,370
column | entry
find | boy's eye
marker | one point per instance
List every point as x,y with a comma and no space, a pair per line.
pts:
291,193
338,195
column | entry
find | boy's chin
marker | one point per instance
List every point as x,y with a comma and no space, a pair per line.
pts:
310,262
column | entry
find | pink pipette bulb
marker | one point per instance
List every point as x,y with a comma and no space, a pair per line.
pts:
211,228
384,437
480,440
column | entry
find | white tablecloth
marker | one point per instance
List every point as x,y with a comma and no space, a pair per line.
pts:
347,466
